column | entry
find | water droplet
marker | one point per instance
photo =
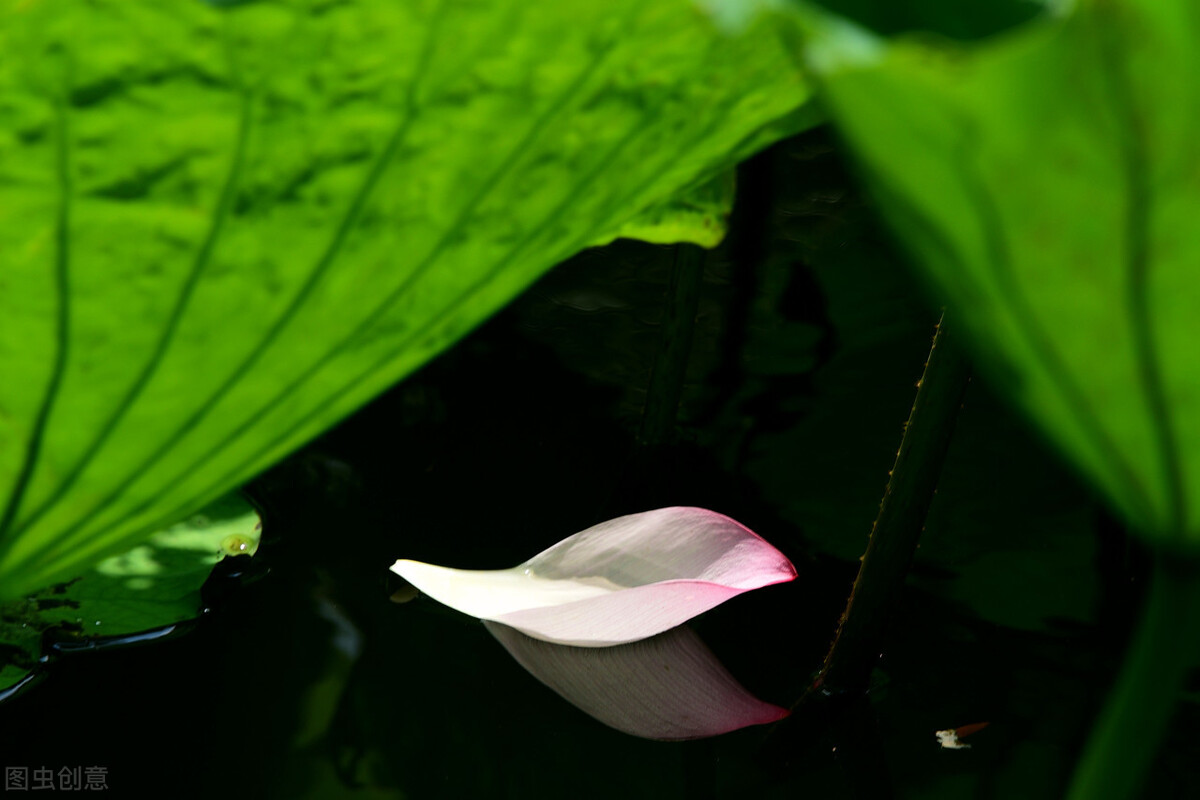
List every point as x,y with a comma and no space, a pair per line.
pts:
236,545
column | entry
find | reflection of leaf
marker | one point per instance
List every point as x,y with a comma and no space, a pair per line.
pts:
1009,528
837,294
154,585
669,686
619,581
19,643
225,228
1046,182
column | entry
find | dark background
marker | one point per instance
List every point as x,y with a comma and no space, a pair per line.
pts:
810,336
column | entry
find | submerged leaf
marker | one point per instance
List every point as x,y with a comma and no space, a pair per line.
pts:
669,686
619,581
224,227
1048,183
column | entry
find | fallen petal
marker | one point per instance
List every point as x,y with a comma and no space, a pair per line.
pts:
669,686
619,581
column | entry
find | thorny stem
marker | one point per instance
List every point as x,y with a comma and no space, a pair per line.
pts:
901,519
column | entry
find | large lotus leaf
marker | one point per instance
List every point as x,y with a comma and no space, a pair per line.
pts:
1048,182
225,226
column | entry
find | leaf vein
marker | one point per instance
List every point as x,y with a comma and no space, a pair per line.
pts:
1000,261
1138,211
62,278
349,219
201,261
249,465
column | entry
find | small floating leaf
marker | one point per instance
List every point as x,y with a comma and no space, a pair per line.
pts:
619,581
151,587
669,686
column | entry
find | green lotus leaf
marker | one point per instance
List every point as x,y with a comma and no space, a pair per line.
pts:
1047,183
152,586
226,226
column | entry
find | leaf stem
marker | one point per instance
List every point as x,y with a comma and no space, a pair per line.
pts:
901,519
1123,744
670,364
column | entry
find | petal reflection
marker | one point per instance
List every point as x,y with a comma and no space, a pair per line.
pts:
668,687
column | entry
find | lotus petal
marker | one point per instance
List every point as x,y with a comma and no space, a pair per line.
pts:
619,581
669,686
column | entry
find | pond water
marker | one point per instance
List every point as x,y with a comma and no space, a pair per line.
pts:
308,683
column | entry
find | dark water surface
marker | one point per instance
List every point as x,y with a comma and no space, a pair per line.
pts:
309,683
